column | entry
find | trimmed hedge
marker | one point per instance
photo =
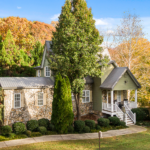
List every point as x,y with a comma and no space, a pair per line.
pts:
6,130
35,134
51,127
122,123
42,130
103,122
19,127
70,129
43,122
86,129
90,124
140,114
28,133
98,127
114,121
32,125
79,125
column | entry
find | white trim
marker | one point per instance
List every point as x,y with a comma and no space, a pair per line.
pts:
14,100
38,73
47,71
86,96
40,99
112,96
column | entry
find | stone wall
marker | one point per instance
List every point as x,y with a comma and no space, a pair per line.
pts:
31,111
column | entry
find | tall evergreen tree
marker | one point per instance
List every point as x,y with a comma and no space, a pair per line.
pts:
75,47
62,112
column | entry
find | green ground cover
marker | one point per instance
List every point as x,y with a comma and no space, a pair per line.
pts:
126,142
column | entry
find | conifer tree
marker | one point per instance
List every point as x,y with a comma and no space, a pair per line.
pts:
75,47
62,112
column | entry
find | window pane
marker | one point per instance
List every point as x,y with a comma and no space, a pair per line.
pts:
17,100
87,93
40,98
83,93
83,99
87,99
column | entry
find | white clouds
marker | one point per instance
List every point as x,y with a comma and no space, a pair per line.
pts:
100,22
18,7
55,17
110,32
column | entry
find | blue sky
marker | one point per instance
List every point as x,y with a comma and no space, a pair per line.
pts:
107,13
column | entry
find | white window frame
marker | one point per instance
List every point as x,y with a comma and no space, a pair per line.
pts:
47,71
40,99
86,96
39,73
73,99
14,100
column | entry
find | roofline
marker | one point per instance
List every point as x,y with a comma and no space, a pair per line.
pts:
113,63
43,58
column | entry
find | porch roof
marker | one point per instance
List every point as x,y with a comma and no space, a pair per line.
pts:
114,77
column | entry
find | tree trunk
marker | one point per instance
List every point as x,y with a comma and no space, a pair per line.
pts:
77,99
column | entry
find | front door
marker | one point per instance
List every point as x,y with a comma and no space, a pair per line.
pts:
118,96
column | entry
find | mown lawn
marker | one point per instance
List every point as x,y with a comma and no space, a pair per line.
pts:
139,141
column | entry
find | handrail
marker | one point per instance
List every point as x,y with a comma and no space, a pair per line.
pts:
130,113
120,111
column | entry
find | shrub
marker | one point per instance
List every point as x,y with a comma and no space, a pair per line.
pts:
51,133
28,133
42,130
114,121
6,130
51,127
98,127
43,122
21,136
86,129
12,135
122,123
140,114
79,125
90,123
103,122
3,138
147,113
19,127
35,134
32,125
70,129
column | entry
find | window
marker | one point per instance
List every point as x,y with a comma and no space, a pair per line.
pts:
73,98
40,99
39,73
17,100
47,72
86,96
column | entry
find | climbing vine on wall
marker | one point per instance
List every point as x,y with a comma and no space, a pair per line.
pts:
1,105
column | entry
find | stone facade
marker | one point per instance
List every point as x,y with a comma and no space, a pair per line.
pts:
30,111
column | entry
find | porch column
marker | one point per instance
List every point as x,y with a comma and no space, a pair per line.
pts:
136,97
112,108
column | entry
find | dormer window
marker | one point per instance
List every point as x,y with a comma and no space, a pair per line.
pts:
47,71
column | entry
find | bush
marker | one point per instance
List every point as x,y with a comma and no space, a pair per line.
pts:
114,121
19,127
90,123
28,133
51,133
103,122
86,129
43,122
3,138
32,125
140,114
51,127
98,127
122,123
35,134
6,130
70,129
21,136
79,125
42,130
12,135
147,113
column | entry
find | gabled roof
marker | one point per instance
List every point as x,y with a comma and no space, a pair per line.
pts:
25,82
114,77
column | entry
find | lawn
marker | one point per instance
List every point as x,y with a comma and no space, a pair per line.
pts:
139,141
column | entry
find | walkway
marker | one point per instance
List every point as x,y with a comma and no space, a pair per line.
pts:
111,133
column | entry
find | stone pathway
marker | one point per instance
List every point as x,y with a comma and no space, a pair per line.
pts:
111,133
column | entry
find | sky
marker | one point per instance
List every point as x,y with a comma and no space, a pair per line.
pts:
107,13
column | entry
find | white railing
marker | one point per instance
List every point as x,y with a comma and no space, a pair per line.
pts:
130,113
107,106
132,105
119,112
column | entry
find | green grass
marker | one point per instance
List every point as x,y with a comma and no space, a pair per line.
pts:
139,141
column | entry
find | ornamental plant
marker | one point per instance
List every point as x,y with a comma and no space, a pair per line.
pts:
6,130
19,127
32,125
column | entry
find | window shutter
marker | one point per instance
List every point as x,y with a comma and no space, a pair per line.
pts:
90,96
22,99
13,100
44,99
44,71
36,99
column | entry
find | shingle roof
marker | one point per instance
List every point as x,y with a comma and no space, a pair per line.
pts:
25,82
114,77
